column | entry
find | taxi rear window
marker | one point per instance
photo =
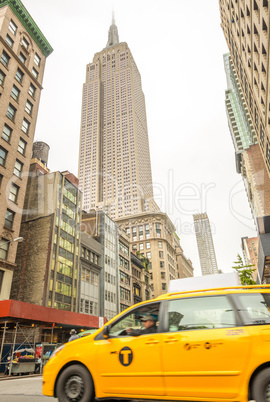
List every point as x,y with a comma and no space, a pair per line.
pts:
254,308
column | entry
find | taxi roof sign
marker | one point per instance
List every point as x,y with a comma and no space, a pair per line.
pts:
204,282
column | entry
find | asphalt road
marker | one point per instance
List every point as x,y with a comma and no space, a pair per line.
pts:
23,390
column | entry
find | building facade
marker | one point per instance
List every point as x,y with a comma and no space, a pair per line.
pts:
114,161
89,275
23,53
152,236
249,161
48,259
205,244
141,279
125,271
183,264
98,225
250,251
245,26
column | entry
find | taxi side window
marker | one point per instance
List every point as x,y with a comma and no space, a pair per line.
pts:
133,319
200,313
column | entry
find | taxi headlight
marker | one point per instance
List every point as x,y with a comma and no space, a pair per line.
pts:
56,351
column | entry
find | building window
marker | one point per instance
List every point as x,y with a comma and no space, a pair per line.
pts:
28,107
124,278
160,254
22,146
158,229
22,57
1,179
6,134
2,78
5,58
18,168
147,231
3,255
9,219
161,264
9,41
163,286
12,27
19,75
25,126
141,246
148,254
162,275
15,92
13,193
35,73
32,90
262,135
3,156
148,245
160,244
25,43
11,112
1,277
268,154
37,59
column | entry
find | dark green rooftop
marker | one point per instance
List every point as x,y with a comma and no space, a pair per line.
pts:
29,24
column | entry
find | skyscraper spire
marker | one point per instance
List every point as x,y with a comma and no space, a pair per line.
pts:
113,38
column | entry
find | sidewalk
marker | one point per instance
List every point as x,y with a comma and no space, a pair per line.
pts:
17,377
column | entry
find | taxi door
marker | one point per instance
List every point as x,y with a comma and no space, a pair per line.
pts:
129,365
204,353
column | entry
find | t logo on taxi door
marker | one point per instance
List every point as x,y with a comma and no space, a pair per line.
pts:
125,356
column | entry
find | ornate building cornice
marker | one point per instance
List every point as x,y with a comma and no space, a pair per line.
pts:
29,24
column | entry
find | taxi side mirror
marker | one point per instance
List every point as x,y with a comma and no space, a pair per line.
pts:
106,331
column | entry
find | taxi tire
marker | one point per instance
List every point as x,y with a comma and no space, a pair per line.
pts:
259,386
78,371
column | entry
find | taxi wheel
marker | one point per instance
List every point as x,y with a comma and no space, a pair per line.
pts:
75,385
261,386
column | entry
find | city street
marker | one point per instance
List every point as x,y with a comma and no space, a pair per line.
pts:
23,390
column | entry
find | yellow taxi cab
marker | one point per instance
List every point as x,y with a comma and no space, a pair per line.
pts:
207,345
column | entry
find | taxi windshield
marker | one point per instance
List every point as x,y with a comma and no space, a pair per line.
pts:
255,308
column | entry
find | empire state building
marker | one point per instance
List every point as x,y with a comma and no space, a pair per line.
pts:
114,162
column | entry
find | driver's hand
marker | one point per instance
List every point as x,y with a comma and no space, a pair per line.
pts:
128,330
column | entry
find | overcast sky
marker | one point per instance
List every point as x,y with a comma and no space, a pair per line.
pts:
178,47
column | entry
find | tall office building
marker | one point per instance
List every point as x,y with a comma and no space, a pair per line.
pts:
23,53
246,28
205,244
249,162
114,162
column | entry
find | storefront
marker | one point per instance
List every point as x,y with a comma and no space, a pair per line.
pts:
25,325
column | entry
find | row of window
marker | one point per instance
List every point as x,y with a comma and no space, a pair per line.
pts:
88,307
90,277
15,91
110,296
5,60
110,278
89,255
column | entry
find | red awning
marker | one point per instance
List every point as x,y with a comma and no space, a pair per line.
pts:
17,310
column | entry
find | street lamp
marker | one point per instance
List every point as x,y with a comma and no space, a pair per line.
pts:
17,239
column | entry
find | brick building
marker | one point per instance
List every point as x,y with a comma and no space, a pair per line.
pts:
153,236
48,259
23,53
